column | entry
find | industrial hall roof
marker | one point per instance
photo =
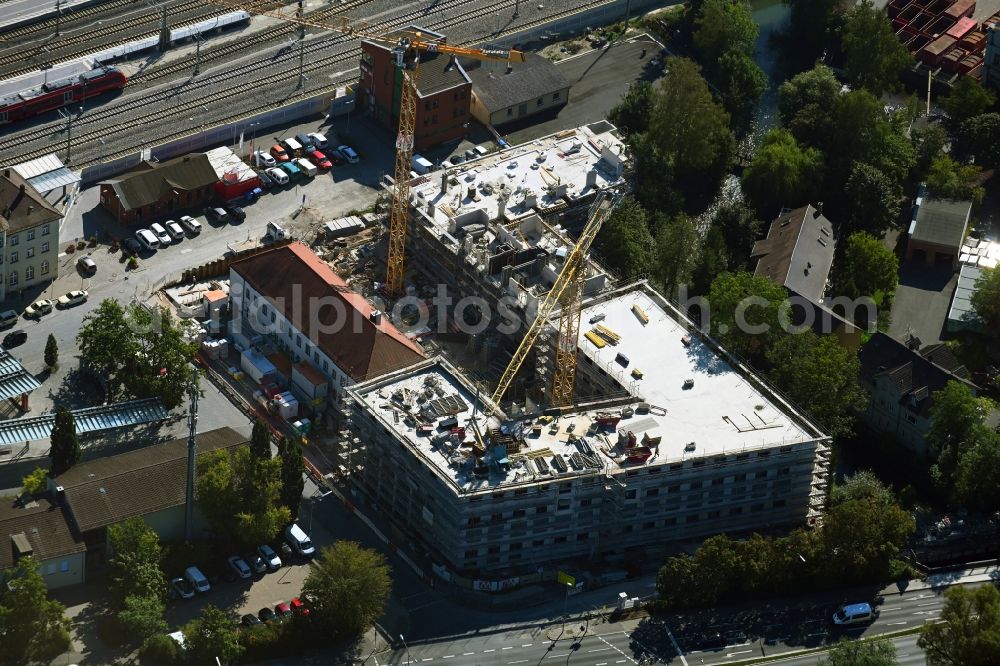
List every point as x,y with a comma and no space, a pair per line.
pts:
798,252
941,222
36,527
21,206
292,275
498,88
109,490
14,379
88,419
151,181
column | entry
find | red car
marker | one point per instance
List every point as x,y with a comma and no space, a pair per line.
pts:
282,611
320,160
299,607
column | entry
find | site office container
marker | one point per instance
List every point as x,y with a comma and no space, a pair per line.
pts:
961,8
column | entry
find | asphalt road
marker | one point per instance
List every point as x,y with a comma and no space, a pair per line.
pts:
907,654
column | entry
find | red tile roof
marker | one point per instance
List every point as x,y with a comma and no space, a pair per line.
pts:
292,274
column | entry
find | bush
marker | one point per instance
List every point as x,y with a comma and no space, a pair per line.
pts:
92,241
70,249
573,47
159,650
81,245
35,482
133,263
283,639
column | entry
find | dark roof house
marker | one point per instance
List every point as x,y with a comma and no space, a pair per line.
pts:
798,252
499,86
21,206
937,231
109,490
291,275
38,528
151,182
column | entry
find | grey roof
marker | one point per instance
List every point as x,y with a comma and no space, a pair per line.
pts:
941,222
149,182
88,420
961,314
14,379
798,252
42,524
529,80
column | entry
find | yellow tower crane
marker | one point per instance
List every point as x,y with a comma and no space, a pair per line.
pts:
407,45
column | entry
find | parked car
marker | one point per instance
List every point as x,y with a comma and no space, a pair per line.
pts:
191,224
456,159
250,620
131,246
256,562
283,611
299,541
291,170
279,153
265,180
279,176
349,154
266,615
15,339
319,140
304,165
270,557
236,213
8,318
86,265
263,159
72,298
197,579
38,308
320,160
175,230
182,587
216,214
241,568
147,238
299,607
161,234
470,154
306,141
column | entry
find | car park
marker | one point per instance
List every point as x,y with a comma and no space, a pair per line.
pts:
38,308
320,160
283,611
263,159
349,154
266,615
72,298
15,339
270,557
191,224
319,140
307,167
279,153
161,234
86,265
265,180
236,213
216,214
241,568
279,176
197,579
256,562
293,147
182,587
250,620
8,318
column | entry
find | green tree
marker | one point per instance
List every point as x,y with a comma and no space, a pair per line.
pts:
624,242
986,298
874,200
33,627
980,136
293,469
861,538
723,26
676,580
260,440
51,352
740,228
745,312
821,376
142,617
957,418
631,114
783,174
35,482
874,54
350,586
866,267
107,344
240,494
135,560
862,485
655,186
742,83
977,477
848,652
676,251
967,99
862,132
64,447
712,260
928,143
969,631
950,180
806,104
213,635
691,129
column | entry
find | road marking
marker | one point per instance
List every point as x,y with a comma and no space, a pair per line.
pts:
818,633
620,661
448,656
428,659
527,645
929,603
603,663
604,649
895,623
185,251
673,642
509,647
733,654
490,650
918,597
519,661
616,649
466,654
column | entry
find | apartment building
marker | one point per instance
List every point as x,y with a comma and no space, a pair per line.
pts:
29,236
673,444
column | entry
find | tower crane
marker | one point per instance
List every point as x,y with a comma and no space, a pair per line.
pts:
407,45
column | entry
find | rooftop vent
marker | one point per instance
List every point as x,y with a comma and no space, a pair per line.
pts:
376,317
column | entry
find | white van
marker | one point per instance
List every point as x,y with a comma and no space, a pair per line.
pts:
852,614
278,175
299,540
191,224
421,164
147,238
308,167
197,579
294,147
319,140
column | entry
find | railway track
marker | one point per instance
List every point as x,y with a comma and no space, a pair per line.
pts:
220,97
48,26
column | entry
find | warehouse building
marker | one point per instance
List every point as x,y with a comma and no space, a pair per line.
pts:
675,444
154,191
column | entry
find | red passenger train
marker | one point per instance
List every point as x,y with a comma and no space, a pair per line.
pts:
59,93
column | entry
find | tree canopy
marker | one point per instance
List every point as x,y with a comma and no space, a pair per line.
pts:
742,83
969,631
724,26
676,251
624,242
33,627
874,55
210,636
293,482
968,98
740,227
51,352
980,136
64,448
866,267
631,114
783,174
350,586
260,440
874,200
986,298
806,104
745,312
949,179
135,560
853,652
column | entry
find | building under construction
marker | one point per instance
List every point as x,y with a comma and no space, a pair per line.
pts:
684,445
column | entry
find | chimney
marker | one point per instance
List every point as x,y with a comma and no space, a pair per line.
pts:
376,317
819,209
22,188
6,173
510,68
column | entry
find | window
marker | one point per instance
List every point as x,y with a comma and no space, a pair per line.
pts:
648,526
556,95
434,119
630,494
13,257
676,488
29,253
518,513
45,247
30,234
755,508
779,503
510,112
911,418
64,566
540,102
469,554
29,273
50,568
538,543
735,511
713,514
693,518
652,492
473,521
541,509
13,240
45,268
582,537
12,280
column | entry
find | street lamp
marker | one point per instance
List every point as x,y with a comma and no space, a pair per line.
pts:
407,648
